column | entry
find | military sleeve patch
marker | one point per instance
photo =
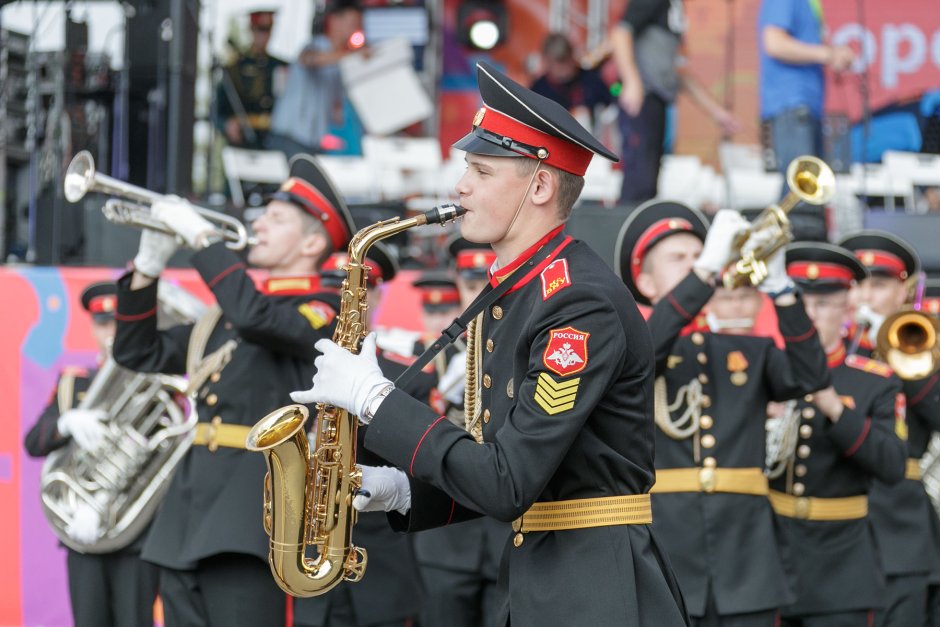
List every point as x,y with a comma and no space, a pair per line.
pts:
869,365
318,313
900,416
553,396
555,278
566,352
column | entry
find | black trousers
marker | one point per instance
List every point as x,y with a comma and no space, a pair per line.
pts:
858,618
458,599
933,605
765,618
342,614
642,148
228,590
111,589
905,602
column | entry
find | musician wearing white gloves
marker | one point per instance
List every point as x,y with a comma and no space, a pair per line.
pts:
111,588
243,357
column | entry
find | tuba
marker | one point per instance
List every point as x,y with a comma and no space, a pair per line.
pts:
308,498
149,425
810,181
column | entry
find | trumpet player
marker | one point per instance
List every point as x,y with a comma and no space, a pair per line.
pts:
563,396
710,507
845,439
242,358
905,523
115,588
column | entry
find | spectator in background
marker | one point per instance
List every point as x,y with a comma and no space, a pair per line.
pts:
792,89
313,108
577,89
245,96
647,49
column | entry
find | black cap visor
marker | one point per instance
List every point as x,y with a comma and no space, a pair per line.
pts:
479,141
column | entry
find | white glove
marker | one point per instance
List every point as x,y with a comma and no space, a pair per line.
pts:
451,385
154,252
180,216
85,524
345,380
777,279
865,314
84,425
717,252
387,488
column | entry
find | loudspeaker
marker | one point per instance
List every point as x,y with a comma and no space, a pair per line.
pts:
599,227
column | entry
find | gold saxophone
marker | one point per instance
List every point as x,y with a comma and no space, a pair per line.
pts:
308,498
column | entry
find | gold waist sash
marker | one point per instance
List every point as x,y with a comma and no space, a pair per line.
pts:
582,513
814,508
709,480
912,470
216,433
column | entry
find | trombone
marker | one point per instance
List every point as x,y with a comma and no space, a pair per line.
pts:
134,209
909,340
810,181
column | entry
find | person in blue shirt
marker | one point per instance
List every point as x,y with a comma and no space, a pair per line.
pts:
793,54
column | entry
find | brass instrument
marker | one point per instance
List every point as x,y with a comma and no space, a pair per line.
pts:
907,341
308,497
149,429
81,178
810,181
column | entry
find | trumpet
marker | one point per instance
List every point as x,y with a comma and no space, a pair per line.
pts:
810,181
907,341
134,210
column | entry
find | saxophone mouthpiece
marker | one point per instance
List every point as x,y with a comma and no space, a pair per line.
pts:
444,214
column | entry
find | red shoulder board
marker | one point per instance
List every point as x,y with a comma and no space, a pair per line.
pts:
318,313
555,278
869,365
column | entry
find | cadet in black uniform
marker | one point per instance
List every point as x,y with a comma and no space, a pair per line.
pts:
245,96
244,357
105,588
837,441
710,507
460,564
390,593
565,372
904,521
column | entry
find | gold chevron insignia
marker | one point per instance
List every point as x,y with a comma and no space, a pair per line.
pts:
555,397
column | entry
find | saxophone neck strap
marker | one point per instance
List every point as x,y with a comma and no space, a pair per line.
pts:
487,297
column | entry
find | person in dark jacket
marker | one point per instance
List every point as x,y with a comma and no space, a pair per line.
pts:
837,442
560,375
710,505
115,588
243,358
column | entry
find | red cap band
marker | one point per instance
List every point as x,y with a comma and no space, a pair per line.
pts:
316,204
882,259
475,259
563,154
103,304
439,296
650,236
815,270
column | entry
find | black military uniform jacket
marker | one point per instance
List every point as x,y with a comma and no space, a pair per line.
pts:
905,521
721,541
571,332
835,564
214,501
44,437
391,588
251,77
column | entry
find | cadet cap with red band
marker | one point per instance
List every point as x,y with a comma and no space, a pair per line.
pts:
820,268
517,122
100,300
883,253
381,261
311,189
471,260
438,291
647,226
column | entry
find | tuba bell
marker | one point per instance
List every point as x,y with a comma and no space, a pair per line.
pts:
150,421
810,181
